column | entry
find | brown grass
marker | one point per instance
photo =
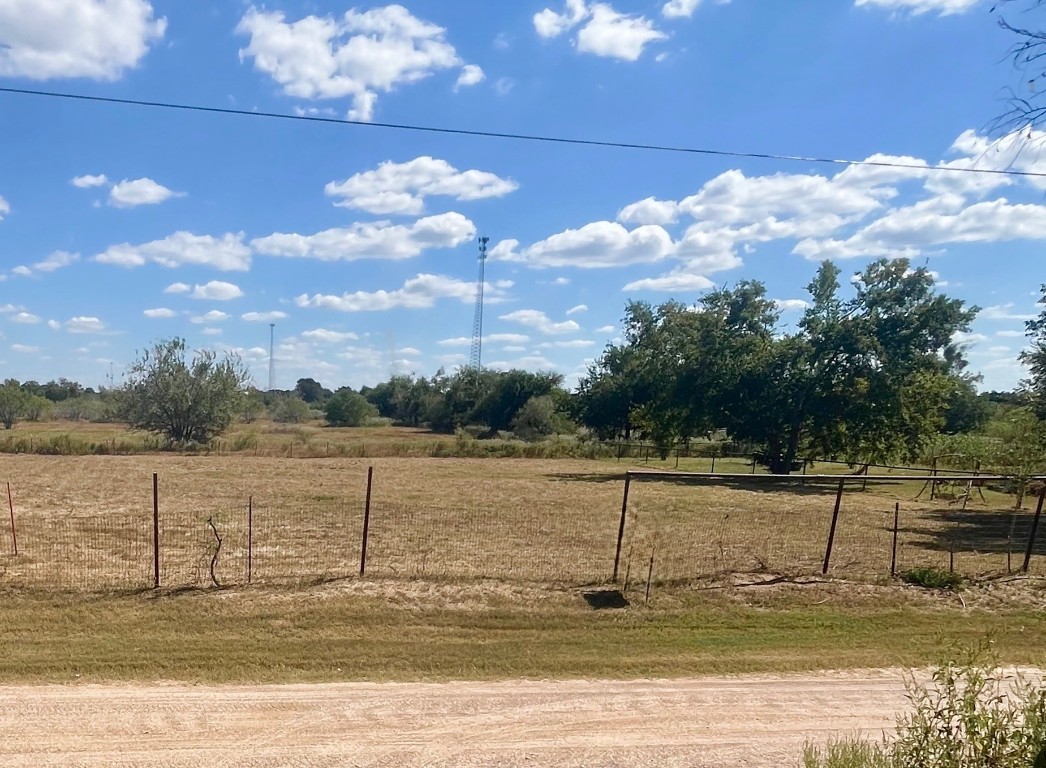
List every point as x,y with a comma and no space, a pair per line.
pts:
85,523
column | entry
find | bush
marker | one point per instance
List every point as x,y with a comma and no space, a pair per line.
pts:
932,578
348,409
968,716
536,419
291,410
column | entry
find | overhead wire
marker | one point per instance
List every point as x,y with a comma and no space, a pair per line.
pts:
564,140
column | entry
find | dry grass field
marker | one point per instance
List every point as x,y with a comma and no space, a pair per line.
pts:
85,523
477,569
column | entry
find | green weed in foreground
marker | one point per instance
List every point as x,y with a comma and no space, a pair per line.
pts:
968,716
932,578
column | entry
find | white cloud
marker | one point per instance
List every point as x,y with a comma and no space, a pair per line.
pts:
1010,334
56,261
88,181
225,254
8,308
572,344
675,9
540,322
5,208
54,325
24,349
25,318
372,240
354,56
796,305
216,290
935,221
961,337
159,312
649,211
617,35
674,281
421,292
97,39
214,316
917,7
263,317
494,338
323,336
577,309
129,194
471,74
548,23
596,245
22,271
606,329
1003,312
212,331
530,362
605,31
177,288
84,325
401,188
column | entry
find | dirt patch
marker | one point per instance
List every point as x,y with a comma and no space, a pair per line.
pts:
742,721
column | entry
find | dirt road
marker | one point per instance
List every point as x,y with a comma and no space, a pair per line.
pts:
749,721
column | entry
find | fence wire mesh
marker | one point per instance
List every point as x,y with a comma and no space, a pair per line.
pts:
560,529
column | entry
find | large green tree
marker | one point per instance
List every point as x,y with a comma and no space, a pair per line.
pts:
12,403
866,376
185,400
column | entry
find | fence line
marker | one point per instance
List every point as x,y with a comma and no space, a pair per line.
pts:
824,523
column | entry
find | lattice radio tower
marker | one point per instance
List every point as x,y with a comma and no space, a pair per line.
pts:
272,356
476,356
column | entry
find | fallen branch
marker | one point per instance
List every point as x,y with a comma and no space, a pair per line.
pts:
217,550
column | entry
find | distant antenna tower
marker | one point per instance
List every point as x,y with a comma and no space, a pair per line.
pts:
476,356
272,356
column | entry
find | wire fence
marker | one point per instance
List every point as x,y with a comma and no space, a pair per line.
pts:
669,528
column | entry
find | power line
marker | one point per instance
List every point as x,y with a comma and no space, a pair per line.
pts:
519,136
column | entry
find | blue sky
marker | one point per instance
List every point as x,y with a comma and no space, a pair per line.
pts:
122,225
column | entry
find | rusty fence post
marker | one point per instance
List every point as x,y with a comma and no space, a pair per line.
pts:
366,523
156,531
621,527
831,532
1034,530
14,532
896,529
250,538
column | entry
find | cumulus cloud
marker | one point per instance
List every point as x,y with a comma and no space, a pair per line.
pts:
356,55
372,240
88,182
577,309
96,39
597,245
130,194
263,317
918,7
5,208
216,290
649,211
675,9
56,261
159,312
540,322
471,74
420,292
177,288
603,30
85,325
672,282
324,336
401,188
25,318
25,349
796,305
214,316
227,253
493,338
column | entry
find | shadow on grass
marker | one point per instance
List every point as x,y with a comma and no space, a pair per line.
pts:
978,532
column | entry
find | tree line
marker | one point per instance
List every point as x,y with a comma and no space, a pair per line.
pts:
871,372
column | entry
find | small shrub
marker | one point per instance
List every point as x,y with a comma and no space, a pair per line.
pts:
967,716
245,442
932,578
